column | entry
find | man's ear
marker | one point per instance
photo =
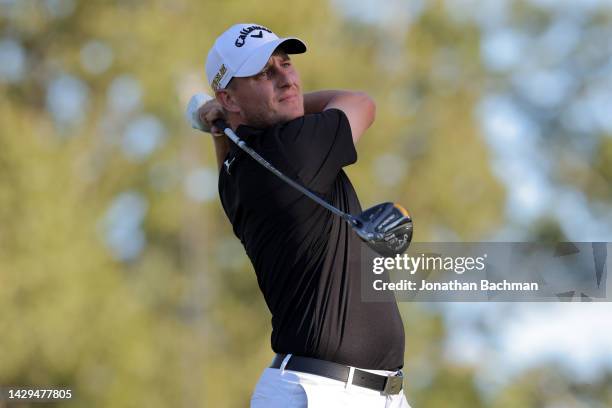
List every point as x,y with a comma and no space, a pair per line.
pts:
227,100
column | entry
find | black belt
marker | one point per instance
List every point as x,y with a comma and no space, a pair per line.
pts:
386,384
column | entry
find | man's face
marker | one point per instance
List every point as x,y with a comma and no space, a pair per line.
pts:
272,96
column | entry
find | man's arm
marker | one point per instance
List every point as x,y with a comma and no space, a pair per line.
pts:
222,147
358,107
208,113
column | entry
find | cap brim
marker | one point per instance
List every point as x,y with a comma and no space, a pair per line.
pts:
259,57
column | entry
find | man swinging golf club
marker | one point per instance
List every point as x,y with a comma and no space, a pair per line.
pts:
302,226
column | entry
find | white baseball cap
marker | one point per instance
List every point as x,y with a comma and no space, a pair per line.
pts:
244,50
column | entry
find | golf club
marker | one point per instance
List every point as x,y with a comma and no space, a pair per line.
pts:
386,227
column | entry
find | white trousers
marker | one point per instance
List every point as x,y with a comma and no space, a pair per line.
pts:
280,388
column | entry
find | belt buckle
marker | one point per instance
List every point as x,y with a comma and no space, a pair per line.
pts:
393,384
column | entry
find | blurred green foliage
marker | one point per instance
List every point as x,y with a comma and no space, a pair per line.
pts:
184,324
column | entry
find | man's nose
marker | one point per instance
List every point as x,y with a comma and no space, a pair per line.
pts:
284,78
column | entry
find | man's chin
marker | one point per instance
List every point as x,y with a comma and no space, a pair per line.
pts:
280,117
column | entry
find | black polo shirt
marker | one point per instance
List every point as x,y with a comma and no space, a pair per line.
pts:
307,260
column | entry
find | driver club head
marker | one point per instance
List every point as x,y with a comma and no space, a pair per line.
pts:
386,228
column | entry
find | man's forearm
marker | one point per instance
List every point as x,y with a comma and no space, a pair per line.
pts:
222,147
358,107
315,102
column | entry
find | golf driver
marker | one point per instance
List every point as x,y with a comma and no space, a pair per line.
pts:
386,227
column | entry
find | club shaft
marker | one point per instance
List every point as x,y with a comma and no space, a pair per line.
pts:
242,145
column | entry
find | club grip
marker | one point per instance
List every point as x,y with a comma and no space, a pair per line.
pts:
220,124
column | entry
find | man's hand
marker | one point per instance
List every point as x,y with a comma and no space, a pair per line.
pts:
208,113
202,111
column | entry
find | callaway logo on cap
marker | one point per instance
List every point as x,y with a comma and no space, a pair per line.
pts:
243,50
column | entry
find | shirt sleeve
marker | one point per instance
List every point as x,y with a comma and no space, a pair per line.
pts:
319,146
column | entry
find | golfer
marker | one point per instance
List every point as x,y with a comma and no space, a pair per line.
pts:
332,349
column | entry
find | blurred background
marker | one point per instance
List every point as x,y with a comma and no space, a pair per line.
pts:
120,276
